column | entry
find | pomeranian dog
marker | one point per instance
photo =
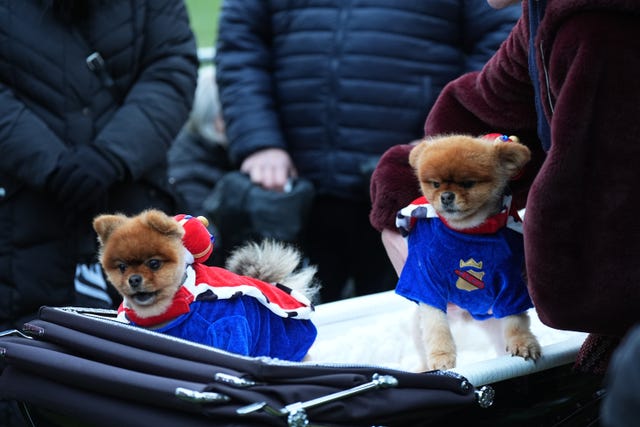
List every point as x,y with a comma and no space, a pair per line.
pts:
465,243
156,263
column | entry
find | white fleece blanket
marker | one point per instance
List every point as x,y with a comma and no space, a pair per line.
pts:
376,330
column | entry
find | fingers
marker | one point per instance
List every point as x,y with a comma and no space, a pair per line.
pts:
270,168
396,247
271,177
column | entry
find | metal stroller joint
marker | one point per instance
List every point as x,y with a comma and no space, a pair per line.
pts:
200,396
485,396
32,330
233,380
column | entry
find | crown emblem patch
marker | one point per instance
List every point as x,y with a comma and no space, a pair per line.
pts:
470,275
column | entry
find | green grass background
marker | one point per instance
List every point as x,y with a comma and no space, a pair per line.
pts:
204,20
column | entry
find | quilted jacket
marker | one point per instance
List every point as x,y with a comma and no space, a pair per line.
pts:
51,101
337,82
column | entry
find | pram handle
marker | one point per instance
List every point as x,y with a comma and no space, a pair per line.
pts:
295,412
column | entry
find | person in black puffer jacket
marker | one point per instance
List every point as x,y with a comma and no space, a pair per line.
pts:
92,93
321,89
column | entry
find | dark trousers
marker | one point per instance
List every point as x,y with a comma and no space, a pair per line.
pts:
347,250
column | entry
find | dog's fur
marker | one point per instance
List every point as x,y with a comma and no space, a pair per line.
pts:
144,259
464,178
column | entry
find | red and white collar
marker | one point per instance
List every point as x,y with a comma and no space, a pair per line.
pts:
421,208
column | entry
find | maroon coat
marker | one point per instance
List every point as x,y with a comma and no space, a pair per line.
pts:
582,231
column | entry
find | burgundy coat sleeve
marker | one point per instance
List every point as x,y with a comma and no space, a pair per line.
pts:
393,186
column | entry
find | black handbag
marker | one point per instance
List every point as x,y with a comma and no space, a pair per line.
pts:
243,211
80,367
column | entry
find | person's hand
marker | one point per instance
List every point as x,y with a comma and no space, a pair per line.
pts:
396,247
82,179
271,168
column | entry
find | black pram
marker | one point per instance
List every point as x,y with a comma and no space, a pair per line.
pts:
86,368
77,367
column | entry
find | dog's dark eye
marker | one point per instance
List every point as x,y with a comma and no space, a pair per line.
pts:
467,184
154,264
122,267
435,184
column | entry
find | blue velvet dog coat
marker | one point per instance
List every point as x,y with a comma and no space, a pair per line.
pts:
480,270
236,313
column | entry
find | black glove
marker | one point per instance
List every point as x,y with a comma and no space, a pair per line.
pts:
82,179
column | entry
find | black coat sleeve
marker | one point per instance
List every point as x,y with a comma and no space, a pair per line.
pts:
244,72
158,103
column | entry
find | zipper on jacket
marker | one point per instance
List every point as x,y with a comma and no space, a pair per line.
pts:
95,63
546,78
334,66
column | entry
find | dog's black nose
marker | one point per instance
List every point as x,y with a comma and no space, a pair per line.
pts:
447,198
135,280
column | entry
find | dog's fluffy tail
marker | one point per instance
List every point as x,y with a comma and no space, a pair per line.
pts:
275,262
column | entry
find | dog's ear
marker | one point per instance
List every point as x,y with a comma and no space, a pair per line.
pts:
414,154
512,156
105,224
162,223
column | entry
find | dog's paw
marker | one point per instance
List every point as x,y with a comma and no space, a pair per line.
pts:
441,361
525,346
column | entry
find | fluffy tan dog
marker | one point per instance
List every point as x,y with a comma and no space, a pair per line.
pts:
463,244
156,262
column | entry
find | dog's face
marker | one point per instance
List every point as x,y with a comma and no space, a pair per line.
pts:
143,258
464,178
